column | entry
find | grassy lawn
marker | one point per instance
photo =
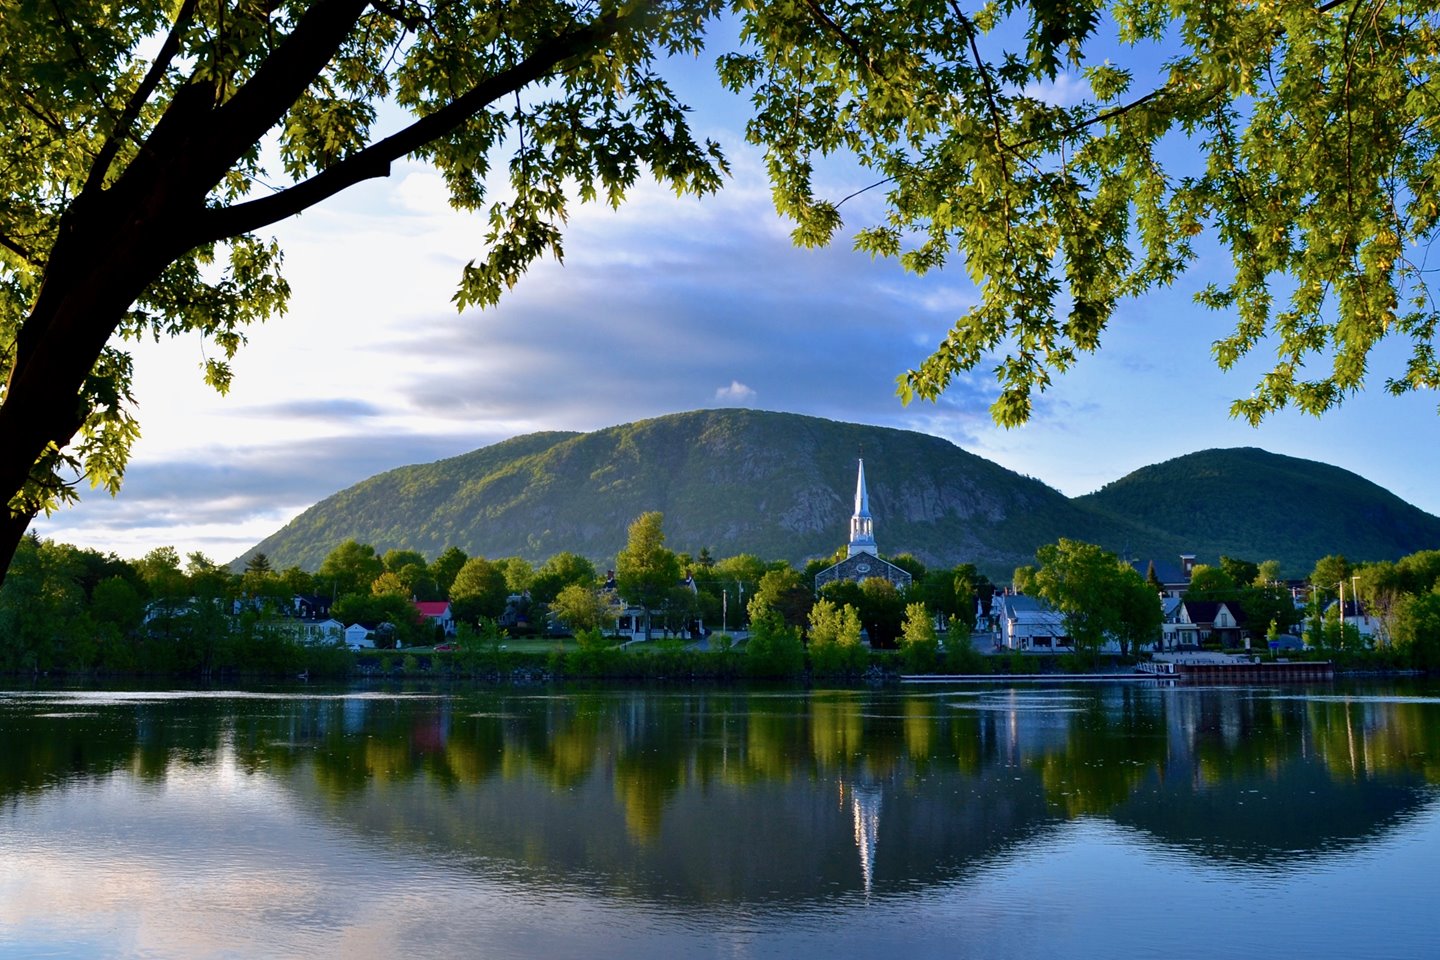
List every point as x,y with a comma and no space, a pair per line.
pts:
540,644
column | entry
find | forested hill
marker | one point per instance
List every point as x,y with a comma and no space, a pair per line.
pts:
1250,503
782,486
773,484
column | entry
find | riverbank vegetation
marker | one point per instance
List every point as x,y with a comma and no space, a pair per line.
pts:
76,612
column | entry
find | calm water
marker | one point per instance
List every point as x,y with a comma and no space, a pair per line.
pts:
1087,821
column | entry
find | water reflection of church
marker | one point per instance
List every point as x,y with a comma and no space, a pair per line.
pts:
864,802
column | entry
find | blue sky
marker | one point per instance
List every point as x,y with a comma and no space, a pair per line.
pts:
663,306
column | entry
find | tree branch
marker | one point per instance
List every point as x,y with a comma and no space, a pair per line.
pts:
137,100
834,28
374,161
15,248
277,83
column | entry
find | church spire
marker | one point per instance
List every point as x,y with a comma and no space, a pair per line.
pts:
862,526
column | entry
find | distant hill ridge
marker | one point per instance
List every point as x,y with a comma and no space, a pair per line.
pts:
781,485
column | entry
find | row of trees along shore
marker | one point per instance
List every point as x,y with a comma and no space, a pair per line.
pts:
73,610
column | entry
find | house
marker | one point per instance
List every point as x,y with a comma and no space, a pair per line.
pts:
438,613
1028,623
862,558
1169,622
359,635
630,621
309,606
320,632
1356,615
1174,578
1211,621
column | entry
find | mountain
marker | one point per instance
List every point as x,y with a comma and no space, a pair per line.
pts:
782,486
1257,505
774,484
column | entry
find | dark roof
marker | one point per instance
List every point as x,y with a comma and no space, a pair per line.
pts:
1204,611
1165,571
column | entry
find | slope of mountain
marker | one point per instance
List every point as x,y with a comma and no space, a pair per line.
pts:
773,484
782,486
1257,505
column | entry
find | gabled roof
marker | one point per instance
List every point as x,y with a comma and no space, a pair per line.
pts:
1017,606
1205,611
433,608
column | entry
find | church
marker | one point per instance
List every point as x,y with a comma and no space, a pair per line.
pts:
862,559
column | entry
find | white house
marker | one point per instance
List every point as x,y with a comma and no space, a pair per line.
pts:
357,635
320,632
1357,615
1028,623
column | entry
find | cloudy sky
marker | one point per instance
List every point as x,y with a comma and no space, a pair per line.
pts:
664,306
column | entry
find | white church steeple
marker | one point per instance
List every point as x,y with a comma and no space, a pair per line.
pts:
862,526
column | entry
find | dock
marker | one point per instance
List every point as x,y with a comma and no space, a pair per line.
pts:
1227,669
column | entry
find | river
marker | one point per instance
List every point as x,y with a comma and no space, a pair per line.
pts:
1101,820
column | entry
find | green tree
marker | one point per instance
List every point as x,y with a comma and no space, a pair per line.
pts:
208,580
558,572
774,648
1242,573
1152,579
479,591
297,582
1210,583
116,602
349,568
584,608
882,610
834,635
1138,612
519,574
919,647
645,571
1419,572
132,131
783,591
389,584
1267,573
1330,571
159,570
40,608
954,594
396,559
911,565
1085,583
445,567
1417,631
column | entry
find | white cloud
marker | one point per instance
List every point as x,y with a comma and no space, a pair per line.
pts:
737,393
1066,90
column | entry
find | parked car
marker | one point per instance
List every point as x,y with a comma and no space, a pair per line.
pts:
444,647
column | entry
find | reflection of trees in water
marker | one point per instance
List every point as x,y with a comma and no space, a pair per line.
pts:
863,788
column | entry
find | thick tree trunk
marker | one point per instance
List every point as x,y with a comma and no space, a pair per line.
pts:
96,274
